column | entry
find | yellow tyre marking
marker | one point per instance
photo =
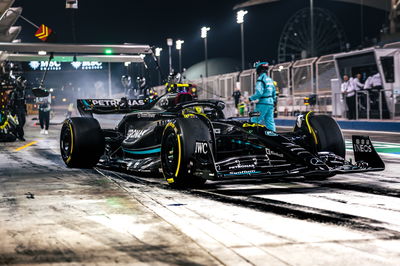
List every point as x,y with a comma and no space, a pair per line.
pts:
26,146
179,154
172,125
312,132
72,143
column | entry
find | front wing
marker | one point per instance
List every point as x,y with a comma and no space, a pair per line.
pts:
260,166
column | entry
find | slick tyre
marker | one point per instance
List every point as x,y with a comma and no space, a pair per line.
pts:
329,135
178,148
329,138
81,142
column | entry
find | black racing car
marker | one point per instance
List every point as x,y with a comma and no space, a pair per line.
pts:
190,141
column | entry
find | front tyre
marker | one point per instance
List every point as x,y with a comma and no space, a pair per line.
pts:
178,149
81,142
329,135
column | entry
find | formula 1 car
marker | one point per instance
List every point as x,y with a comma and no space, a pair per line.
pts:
190,141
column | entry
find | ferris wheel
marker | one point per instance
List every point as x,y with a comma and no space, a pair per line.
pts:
295,40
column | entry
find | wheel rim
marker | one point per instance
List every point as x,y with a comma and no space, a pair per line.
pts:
66,144
170,154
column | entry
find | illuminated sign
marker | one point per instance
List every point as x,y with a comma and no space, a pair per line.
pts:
54,65
87,65
43,32
42,65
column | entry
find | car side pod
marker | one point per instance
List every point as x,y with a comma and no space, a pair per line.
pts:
365,154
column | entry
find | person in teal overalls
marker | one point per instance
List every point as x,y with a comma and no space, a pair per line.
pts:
265,95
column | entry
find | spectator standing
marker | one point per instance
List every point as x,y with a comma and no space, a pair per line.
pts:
368,83
358,85
44,113
376,95
376,82
349,91
374,85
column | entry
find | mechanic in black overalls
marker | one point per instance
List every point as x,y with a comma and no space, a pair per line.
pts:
18,105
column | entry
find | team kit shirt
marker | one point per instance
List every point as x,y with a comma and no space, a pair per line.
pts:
265,90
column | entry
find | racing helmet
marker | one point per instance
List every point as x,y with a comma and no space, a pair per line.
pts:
175,77
261,67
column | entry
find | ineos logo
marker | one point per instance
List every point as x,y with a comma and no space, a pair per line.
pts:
201,148
362,148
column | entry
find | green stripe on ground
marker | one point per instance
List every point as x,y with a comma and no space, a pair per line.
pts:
388,150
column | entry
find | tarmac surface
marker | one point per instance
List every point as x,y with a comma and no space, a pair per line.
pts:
50,214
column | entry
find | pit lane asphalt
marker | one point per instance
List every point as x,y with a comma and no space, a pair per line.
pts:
50,214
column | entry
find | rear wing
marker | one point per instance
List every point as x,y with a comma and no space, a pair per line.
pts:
88,107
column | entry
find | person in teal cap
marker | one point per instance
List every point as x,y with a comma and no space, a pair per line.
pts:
265,95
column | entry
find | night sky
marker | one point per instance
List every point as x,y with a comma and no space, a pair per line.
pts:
151,22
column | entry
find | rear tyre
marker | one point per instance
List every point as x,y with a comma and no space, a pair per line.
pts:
178,149
81,142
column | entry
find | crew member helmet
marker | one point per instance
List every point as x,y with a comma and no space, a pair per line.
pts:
261,67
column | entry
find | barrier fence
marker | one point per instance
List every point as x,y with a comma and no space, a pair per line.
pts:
297,80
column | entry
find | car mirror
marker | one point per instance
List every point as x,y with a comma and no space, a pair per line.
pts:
40,92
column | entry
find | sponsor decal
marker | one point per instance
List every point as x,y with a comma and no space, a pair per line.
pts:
136,102
270,133
146,115
277,154
367,148
201,148
252,125
243,172
270,152
362,145
135,133
116,102
242,166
